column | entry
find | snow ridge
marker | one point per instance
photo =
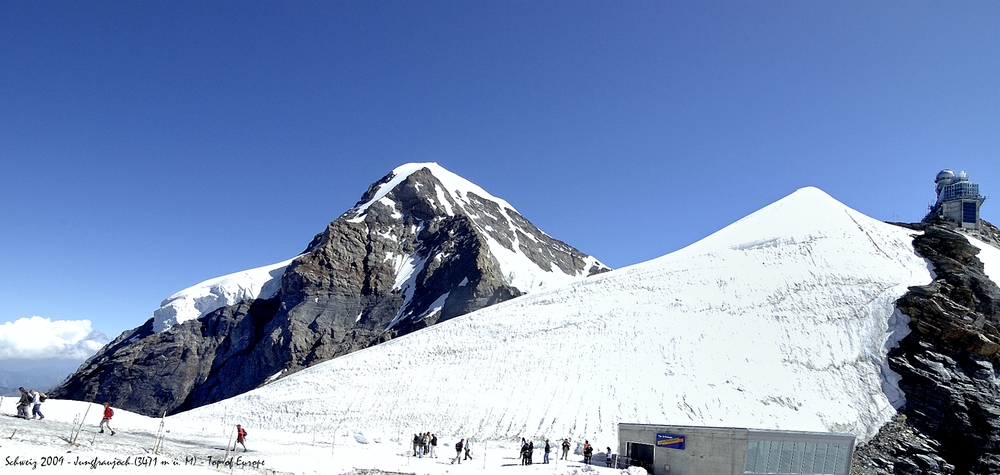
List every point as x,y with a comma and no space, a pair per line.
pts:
199,299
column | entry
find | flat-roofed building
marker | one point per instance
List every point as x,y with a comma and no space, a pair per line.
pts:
699,450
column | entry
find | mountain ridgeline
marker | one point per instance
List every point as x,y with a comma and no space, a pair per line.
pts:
422,246
948,367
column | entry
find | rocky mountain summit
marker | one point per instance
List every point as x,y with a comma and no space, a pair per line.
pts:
948,366
421,246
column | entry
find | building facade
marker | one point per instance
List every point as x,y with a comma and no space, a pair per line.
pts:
696,450
958,199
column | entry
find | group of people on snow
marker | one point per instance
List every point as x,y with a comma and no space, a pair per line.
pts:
31,398
425,444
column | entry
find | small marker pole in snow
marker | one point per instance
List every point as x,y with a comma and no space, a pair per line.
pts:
158,444
230,441
79,428
12,434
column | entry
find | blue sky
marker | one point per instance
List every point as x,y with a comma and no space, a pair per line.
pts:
147,146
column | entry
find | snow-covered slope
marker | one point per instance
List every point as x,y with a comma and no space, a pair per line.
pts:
212,294
780,320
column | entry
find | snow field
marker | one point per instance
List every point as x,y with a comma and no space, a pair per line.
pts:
777,321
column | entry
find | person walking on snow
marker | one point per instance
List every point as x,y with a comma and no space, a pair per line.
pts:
36,404
468,449
241,437
106,421
458,452
23,403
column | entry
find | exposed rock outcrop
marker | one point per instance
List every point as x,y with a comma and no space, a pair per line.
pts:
949,369
422,246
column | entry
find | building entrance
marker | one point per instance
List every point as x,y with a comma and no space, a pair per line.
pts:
640,455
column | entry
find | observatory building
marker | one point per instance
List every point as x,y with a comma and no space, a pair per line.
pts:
958,199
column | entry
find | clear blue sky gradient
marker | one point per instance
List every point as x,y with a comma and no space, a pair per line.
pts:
147,146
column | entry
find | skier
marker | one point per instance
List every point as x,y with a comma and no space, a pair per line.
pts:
241,437
106,421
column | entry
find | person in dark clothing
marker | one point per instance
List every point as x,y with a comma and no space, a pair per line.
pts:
458,452
565,449
531,452
434,446
588,452
607,457
23,403
524,451
548,449
416,443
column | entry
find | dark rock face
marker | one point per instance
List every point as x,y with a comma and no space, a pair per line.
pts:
948,364
416,256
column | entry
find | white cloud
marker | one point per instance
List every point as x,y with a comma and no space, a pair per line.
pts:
41,338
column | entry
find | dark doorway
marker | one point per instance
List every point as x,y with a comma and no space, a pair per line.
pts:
640,455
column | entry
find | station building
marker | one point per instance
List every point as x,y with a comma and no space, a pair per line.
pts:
958,199
698,450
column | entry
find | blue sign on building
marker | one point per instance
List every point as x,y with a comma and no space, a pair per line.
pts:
670,441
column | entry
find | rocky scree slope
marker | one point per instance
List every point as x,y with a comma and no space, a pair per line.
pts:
949,371
422,246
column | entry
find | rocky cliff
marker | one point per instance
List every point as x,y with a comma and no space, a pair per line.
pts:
422,246
949,370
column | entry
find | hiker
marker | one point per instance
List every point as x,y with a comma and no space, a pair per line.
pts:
106,421
588,452
468,449
607,457
458,452
434,446
524,451
23,403
36,405
548,449
241,437
531,452
565,448
416,443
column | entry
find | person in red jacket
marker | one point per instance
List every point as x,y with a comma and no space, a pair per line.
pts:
241,437
106,421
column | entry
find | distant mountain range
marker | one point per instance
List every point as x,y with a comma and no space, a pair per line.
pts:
40,375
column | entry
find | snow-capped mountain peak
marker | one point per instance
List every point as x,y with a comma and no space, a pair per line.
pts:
422,246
